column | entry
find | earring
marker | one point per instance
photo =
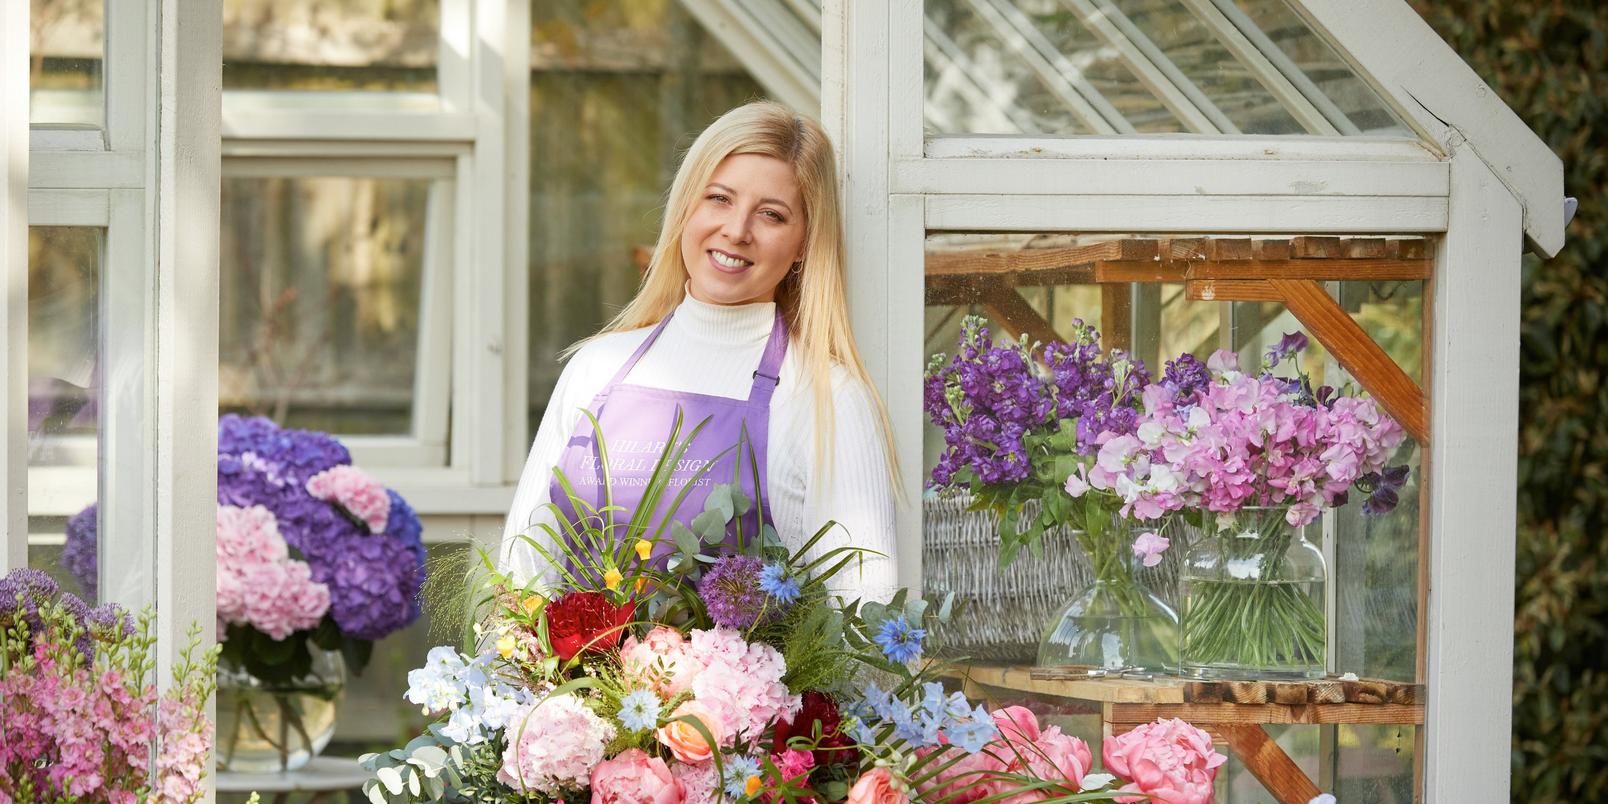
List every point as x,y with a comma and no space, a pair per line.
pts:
798,266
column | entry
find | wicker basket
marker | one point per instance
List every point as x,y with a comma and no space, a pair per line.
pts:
1006,611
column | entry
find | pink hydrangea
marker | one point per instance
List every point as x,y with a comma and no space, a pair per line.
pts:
740,682
662,659
1168,760
700,781
553,746
357,492
258,583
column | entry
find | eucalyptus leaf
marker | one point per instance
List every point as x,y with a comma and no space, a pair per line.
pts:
391,779
720,501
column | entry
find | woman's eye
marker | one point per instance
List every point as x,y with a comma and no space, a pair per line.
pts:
717,197
775,216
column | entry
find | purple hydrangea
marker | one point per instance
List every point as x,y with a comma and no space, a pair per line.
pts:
78,554
732,593
374,579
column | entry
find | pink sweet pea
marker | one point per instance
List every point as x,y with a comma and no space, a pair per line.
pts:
1150,546
1076,484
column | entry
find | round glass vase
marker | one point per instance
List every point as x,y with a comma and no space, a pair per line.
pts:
271,728
1253,601
1116,624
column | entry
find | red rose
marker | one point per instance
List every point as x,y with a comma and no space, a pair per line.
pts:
834,745
585,621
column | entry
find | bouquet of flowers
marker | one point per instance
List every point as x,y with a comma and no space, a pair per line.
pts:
77,702
727,674
1251,455
1022,423
312,553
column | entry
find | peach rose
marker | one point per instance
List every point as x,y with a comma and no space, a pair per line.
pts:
684,740
878,787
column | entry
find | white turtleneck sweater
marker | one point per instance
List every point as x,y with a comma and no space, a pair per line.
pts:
714,349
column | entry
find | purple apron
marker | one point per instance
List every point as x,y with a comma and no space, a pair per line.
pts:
636,420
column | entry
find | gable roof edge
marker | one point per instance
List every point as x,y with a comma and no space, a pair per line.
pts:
1440,96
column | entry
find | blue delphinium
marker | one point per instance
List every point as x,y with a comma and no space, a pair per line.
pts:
775,581
639,710
736,771
934,720
900,641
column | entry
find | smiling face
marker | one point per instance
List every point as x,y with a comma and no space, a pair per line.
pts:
746,230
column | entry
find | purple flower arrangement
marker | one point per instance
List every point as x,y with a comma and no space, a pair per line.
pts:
1019,419
310,549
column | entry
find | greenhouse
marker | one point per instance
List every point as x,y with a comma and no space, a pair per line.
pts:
291,285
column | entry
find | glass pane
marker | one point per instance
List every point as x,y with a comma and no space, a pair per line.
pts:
322,282
618,91
331,45
64,271
68,45
1049,67
1324,67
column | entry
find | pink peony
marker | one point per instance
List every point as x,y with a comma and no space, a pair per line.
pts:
633,777
357,492
1168,760
1023,749
662,658
553,746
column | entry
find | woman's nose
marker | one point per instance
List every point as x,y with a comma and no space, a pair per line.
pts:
736,228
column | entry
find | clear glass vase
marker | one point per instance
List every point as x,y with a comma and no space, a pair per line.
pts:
1253,602
1116,624
265,728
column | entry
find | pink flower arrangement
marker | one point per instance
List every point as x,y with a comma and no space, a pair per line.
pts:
1239,441
633,777
553,746
258,583
80,727
357,492
1168,760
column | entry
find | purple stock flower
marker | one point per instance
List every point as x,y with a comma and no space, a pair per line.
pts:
733,595
1185,376
78,554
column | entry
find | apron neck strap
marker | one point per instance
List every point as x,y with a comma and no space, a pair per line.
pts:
619,376
769,372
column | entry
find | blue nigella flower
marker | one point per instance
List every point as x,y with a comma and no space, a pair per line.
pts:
639,710
735,773
899,640
775,581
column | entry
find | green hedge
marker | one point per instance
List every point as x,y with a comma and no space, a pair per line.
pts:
1546,59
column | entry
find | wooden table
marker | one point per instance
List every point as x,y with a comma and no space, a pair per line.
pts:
1233,712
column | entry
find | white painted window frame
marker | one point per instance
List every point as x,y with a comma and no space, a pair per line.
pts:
899,185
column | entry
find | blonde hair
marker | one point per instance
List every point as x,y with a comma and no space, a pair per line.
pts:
813,300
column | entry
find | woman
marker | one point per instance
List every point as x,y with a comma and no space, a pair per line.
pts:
741,319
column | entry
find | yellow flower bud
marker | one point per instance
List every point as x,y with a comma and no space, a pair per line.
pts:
533,603
612,579
644,549
505,646
752,786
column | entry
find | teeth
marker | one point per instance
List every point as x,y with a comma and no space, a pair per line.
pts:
729,262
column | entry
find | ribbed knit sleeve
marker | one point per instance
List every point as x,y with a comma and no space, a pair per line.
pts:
853,491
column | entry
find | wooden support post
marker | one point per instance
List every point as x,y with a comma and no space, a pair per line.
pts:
1116,316
1015,315
1358,353
1268,763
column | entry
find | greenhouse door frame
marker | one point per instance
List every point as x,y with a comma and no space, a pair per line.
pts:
149,180
898,185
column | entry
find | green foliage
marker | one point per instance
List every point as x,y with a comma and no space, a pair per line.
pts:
1547,59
